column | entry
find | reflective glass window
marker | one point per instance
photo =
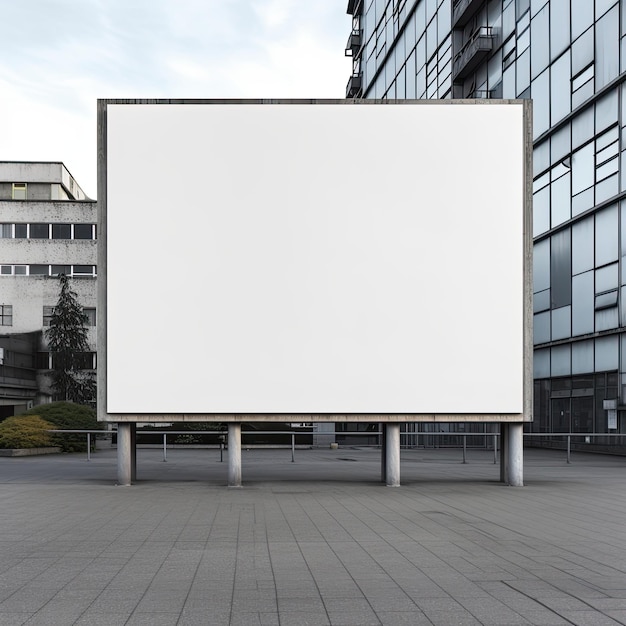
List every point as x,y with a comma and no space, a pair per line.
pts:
606,236
561,200
541,328
606,354
581,16
561,144
582,53
582,304
607,48
82,231
540,91
582,357
561,361
541,265
39,270
541,211
560,90
582,246
582,127
21,231
541,301
607,278
561,269
523,73
539,51
559,26
562,323
583,168
541,363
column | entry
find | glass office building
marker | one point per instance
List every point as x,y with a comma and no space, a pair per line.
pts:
569,56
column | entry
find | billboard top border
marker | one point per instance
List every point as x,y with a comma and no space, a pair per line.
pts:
103,102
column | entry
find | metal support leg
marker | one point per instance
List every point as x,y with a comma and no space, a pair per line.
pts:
123,455
393,455
516,455
234,455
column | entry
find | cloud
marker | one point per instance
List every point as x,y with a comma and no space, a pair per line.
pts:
72,52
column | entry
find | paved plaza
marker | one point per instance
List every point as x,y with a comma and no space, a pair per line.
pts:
318,541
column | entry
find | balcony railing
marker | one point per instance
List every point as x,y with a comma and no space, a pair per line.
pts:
473,52
463,10
354,43
354,86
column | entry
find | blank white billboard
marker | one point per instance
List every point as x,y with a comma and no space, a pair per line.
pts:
314,258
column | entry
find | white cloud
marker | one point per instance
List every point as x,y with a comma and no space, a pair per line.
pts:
75,51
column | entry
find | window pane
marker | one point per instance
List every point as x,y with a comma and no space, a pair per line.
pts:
541,265
19,191
20,231
541,328
20,270
61,231
6,231
561,323
561,269
606,236
6,270
541,211
61,269
560,88
582,246
39,231
607,48
582,304
561,200
583,168
561,361
39,270
559,27
582,16
582,357
606,353
91,316
82,231
540,92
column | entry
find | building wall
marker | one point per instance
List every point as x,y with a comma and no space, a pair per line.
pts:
40,238
569,56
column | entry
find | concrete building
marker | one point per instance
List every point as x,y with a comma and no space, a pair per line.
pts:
47,227
569,56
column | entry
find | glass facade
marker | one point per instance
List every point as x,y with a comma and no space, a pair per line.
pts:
569,56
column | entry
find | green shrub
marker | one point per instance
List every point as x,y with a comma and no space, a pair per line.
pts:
68,416
25,431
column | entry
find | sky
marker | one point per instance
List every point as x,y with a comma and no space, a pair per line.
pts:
59,56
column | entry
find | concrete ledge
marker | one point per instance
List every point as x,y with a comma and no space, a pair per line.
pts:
29,451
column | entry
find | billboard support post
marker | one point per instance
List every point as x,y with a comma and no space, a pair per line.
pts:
516,455
234,455
124,462
392,474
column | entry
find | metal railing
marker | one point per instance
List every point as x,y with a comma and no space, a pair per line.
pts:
92,435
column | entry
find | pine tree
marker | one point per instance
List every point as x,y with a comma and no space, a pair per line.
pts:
67,342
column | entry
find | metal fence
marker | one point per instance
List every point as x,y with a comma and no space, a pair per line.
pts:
566,440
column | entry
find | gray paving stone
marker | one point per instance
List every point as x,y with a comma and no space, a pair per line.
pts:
302,618
14,619
399,618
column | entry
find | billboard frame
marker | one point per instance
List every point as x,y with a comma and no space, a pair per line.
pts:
525,416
